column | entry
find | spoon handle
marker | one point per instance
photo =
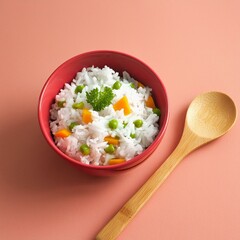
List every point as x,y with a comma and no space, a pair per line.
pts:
115,226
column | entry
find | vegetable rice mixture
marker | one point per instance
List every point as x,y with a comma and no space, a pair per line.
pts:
101,118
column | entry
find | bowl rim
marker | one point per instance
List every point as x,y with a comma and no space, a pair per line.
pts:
121,166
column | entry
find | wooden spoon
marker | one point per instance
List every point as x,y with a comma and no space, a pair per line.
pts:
209,116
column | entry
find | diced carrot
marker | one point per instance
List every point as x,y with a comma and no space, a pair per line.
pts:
111,140
116,161
140,85
150,102
63,133
122,104
86,116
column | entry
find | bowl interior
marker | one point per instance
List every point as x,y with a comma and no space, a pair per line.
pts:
118,62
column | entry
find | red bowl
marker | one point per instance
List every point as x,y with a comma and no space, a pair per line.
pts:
118,62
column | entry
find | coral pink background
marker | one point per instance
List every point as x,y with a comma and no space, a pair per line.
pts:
193,45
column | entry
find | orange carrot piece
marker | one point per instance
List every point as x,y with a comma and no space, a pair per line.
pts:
150,102
86,116
122,104
140,85
116,161
63,133
111,140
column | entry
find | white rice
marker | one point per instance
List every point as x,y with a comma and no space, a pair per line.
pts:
93,133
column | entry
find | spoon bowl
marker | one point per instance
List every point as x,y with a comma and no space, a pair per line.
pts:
209,116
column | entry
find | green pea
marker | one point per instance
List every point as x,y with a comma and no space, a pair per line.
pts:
79,88
61,103
138,123
117,85
133,135
157,111
79,105
85,149
132,85
113,124
72,125
109,149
